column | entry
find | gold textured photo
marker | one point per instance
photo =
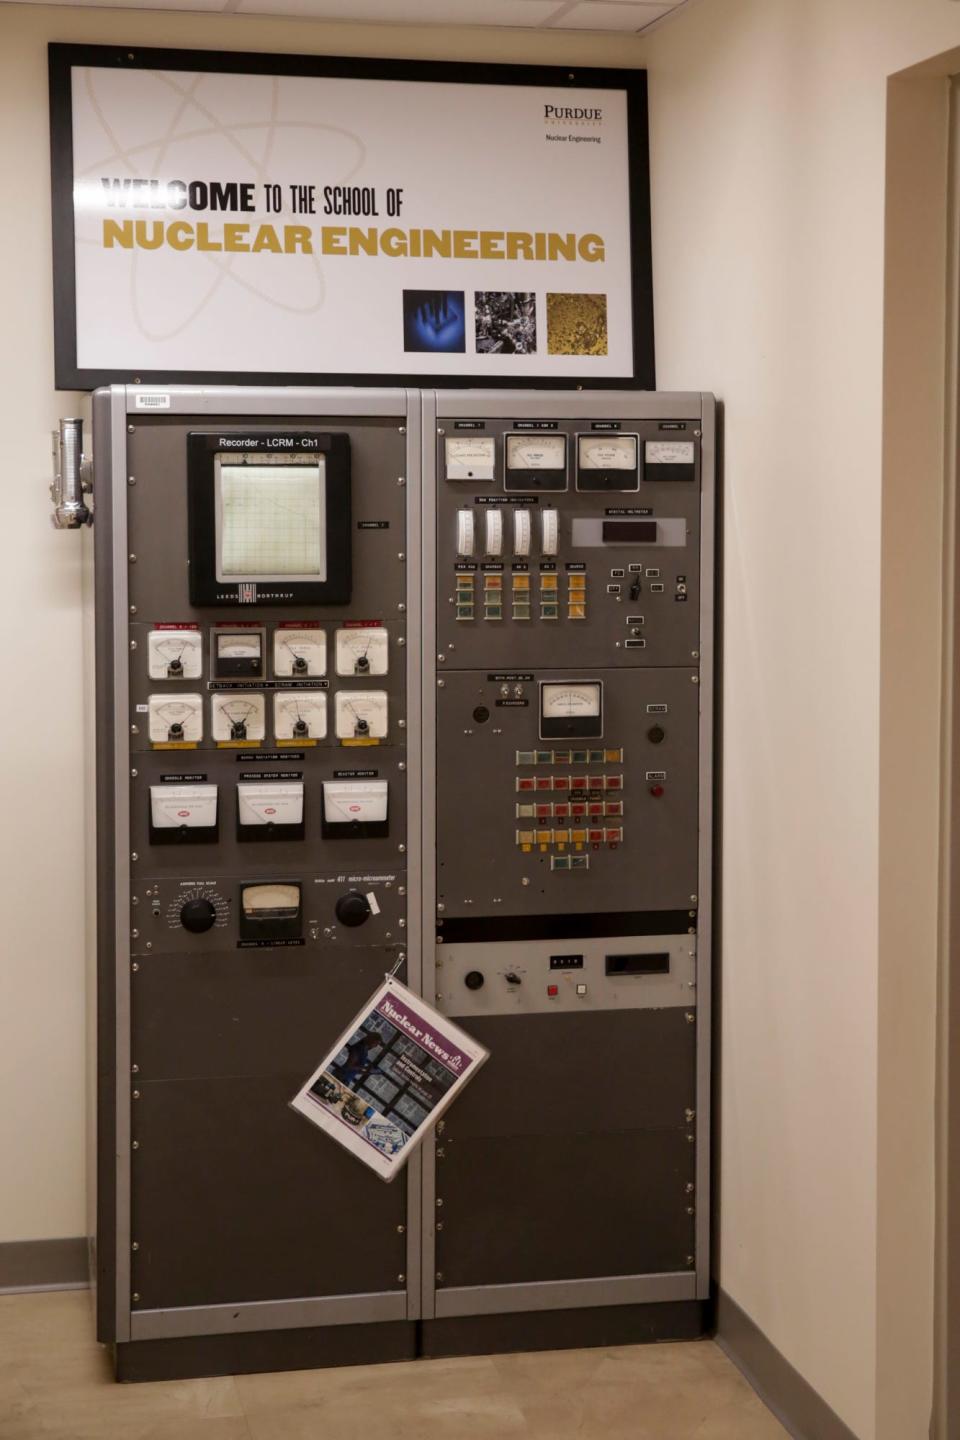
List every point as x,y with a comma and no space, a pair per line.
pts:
576,324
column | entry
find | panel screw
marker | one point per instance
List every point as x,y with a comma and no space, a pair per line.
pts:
135,1145
402,765
441,1153
134,855
131,479
402,924
691,1210
441,1126
149,945
401,1229
691,1260
689,1017
133,644
698,433
439,1274
402,429
134,774
439,1204
134,934
401,480
401,889
402,608
134,899
525,880
690,1187
402,849
441,658
135,1296
695,679
439,1224
440,430
690,1114
440,908
136,1094
134,1069
401,1278
695,654
401,724
401,640
134,729
132,559
129,427
439,684
133,609
135,1245
693,899
134,967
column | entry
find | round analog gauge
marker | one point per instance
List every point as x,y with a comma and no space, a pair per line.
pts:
174,655
562,700
300,652
362,651
470,458
669,452
361,714
607,452
536,452
175,719
237,716
300,714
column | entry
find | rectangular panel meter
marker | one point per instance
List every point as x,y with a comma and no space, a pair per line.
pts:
470,457
237,717
608,462
669,460
175,653
354,808
175,720
237,654
571,709
534,461
299,716
269,519
268,811
299,651
183,813
270,912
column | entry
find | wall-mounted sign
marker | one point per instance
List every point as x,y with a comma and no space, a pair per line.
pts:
290,219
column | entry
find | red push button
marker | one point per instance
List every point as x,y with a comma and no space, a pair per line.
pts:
553,989
656,791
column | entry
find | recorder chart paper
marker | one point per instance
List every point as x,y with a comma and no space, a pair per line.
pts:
272,521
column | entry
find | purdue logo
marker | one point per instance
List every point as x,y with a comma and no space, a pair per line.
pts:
569,112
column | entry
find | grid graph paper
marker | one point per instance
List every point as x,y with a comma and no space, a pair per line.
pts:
272,521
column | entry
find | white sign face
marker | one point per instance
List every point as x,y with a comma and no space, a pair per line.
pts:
237,225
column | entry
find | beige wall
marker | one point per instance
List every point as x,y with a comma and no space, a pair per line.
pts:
768,136
41,870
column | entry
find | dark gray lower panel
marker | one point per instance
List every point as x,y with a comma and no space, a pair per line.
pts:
791,1398
265,1350
564,1329
528,1208
44,1264
237,1198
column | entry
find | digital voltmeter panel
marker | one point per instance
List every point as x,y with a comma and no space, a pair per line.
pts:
269,519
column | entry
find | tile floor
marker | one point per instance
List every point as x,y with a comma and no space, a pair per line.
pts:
56,1384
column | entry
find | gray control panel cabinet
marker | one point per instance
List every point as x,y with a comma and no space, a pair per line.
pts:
510,637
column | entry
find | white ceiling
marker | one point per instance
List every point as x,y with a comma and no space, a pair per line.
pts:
630,16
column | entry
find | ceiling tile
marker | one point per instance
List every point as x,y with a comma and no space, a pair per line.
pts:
606,15
522,13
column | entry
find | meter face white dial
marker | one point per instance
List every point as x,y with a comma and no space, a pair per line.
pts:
238,647
300,652
536,452
361,714
300,714
175,719
363,651
257,899
236,715
174,655
669,452
607,452
562,700
470,458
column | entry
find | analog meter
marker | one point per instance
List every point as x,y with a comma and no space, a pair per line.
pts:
571,708
535,462
299,715
175,719
237,716
361,714
174,654
362,651
607,462
299,652
669,452
238,654
470,457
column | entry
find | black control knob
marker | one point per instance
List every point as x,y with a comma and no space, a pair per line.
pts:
473,980
197,916
362,666
353,908
299,665
656,734
511,978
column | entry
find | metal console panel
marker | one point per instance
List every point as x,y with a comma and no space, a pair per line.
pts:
256,876
570,746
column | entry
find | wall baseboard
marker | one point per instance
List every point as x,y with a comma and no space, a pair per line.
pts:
798,1407
43,1265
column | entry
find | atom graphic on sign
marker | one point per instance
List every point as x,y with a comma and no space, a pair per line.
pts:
192,121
